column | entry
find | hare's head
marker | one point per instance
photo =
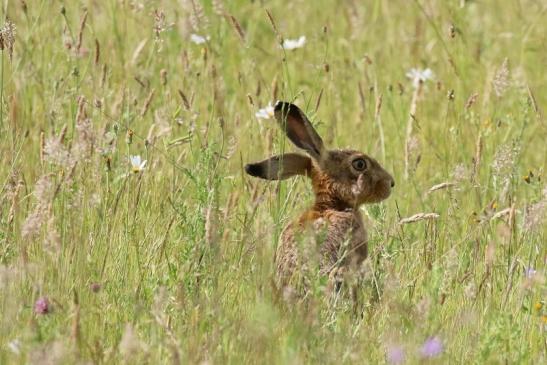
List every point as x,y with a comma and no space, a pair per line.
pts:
341,178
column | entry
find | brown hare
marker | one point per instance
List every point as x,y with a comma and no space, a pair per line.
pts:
342,180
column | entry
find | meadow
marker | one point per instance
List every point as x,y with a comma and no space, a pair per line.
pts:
106,258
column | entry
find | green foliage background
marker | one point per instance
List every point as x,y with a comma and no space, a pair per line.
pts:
175,263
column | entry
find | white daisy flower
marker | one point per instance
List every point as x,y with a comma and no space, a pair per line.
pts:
265,113
289,44
417,76
137,165
198,39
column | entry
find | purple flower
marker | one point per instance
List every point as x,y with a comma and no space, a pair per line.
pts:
432,347
42,306
395,355
95,287
530,272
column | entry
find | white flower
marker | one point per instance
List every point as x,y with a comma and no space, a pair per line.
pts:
198,39
417,76
137,165
265,113
15,346
289,44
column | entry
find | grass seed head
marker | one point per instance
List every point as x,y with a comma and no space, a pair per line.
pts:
7,37
501,80
419,217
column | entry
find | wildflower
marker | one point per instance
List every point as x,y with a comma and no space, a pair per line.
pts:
290,44
197,39
419,76
137,165
42,306
95,287
530,272
395,355
265,113
432,347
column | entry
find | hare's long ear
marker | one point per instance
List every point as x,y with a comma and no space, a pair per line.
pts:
298,128
280,167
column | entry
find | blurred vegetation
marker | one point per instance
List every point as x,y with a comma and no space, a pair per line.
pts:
103,262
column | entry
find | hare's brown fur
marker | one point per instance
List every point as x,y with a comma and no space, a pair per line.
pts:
342,180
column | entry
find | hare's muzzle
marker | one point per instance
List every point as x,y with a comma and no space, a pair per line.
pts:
383,186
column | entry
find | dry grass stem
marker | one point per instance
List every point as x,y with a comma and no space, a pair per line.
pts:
419,217
441,186
410,130
477,158
501,213
147,102
238,28
81,33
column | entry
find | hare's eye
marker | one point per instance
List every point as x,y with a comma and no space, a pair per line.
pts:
359,164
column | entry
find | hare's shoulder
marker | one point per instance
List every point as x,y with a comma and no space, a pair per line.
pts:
334,222
331,219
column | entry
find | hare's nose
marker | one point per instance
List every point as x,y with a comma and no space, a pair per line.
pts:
392,183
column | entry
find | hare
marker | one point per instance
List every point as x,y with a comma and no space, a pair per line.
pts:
342,180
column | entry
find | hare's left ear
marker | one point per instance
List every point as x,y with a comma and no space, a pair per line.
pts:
280,167
299,129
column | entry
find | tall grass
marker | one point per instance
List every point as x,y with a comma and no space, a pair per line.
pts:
174,262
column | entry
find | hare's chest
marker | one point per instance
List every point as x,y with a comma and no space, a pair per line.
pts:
345,236
336,238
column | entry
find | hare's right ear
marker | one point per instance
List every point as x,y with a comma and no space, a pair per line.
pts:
280,167
298,128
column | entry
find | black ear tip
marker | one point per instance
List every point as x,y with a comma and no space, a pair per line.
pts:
253,169
278,105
